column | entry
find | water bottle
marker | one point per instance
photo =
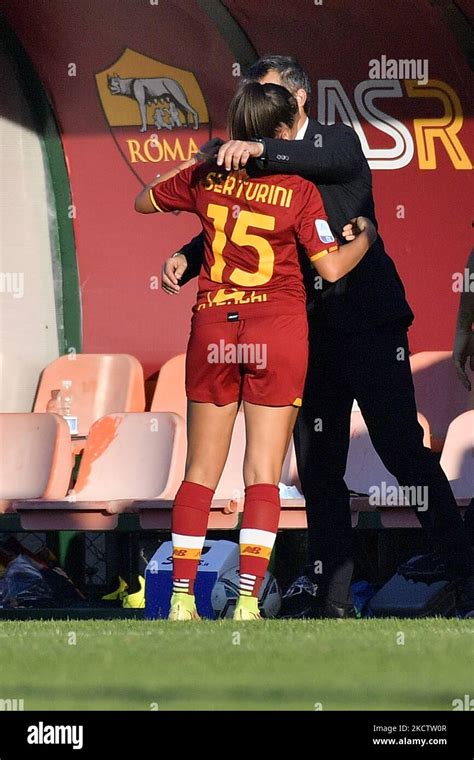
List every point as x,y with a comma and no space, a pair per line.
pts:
61,402
67,406
54,404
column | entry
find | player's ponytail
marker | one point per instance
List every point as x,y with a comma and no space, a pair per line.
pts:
258,110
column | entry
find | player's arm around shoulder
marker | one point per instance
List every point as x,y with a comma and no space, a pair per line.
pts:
329,259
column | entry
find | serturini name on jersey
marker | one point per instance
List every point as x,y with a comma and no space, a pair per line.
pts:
249,190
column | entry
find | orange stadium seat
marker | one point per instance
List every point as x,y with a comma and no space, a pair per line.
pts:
289,473
36,457
439,394
365,470
127,457
170,394
228,498
101,384
457,459
231,484
293,510
364,465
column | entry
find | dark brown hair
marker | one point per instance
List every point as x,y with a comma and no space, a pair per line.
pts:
257,110
293,76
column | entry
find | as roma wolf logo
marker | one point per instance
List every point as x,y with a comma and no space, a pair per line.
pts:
156,91
156,113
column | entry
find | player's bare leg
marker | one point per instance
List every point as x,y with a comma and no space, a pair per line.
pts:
209,435
269,430
268,433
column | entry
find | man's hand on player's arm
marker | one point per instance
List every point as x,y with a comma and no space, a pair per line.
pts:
183,266
235,153
172,272
352,228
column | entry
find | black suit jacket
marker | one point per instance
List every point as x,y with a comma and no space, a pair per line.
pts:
332,157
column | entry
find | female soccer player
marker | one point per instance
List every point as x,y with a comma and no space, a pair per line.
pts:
248,339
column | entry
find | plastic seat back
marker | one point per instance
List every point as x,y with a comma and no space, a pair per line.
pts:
170,393
101,384
439,394
36,458
364,468
289,472
132,456
457,459
231,484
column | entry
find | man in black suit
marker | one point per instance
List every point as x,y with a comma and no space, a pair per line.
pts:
358,350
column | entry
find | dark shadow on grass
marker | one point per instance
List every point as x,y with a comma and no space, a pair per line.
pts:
198,697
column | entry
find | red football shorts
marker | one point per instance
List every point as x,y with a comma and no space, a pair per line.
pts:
261,360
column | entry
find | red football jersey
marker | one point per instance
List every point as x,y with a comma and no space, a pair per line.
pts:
252,227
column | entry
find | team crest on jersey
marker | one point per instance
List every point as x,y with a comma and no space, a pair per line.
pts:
324,231
156,113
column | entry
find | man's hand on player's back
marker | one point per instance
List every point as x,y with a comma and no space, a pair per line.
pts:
172,272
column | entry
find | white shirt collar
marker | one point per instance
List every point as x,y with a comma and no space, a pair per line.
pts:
300,133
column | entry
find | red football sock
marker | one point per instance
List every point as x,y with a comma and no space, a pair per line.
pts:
189,525
257,535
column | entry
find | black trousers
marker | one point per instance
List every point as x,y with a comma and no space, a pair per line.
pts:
373,367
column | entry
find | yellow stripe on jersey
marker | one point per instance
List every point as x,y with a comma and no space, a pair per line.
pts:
182,553
324,253
319,255
152,198
255,551
297,402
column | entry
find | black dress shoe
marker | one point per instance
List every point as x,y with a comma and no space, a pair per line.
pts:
334,610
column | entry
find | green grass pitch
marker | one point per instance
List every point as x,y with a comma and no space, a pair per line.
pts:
275,665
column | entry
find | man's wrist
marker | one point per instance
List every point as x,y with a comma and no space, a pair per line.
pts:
263,154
